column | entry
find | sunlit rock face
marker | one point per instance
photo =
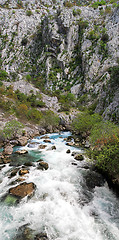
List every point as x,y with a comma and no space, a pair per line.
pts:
66,48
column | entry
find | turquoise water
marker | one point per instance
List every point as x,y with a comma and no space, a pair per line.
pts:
57,206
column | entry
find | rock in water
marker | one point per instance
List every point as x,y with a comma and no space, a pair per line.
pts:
47,141
8,149
68,151
42,146
43,165
22,141
21,151
41,236
23,172
22,190
79,157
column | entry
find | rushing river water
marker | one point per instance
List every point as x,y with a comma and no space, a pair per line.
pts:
63,206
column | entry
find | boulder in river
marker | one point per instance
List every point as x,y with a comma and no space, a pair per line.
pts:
23,151
22,141
79,157
7,160
42,146
68,151
94,179
23,190
47,141
41,236
8,149
14,172
43,165
23,171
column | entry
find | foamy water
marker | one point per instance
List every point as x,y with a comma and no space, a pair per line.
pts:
55,208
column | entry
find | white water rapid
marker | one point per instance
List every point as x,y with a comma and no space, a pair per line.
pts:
59,207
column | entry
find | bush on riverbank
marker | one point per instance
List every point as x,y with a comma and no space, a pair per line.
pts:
84,122
104,140
11,129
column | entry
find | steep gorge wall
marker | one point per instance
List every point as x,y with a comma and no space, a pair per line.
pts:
66,49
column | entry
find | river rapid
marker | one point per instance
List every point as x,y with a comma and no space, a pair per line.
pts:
63,206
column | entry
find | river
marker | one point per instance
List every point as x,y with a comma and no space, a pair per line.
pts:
63,206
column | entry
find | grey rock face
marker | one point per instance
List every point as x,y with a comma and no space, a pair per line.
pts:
66,48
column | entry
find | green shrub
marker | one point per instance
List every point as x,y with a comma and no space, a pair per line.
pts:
68,4
104,139
24,41
98,3
1,84
29,13
20,96
114,76
49,118
76,12
108,10
92,35
105,37
22,110
3,75
84,122
34,115
12,128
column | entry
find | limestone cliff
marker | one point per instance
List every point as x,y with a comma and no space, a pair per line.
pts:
72,48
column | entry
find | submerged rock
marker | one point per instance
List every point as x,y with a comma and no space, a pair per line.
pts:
22,190
24,233
11,200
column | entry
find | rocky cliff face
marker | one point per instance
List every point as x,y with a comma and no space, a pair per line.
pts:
56,47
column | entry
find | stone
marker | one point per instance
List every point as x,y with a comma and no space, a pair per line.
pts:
43,165
11,200
1,161
14,172
8,149
41,236
29,164
79,157
53,147
23,190
23,172
42,146
93,179
14,142
68,151
70,144
21,151
22,141
7,160
47,141
46,137
74,153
